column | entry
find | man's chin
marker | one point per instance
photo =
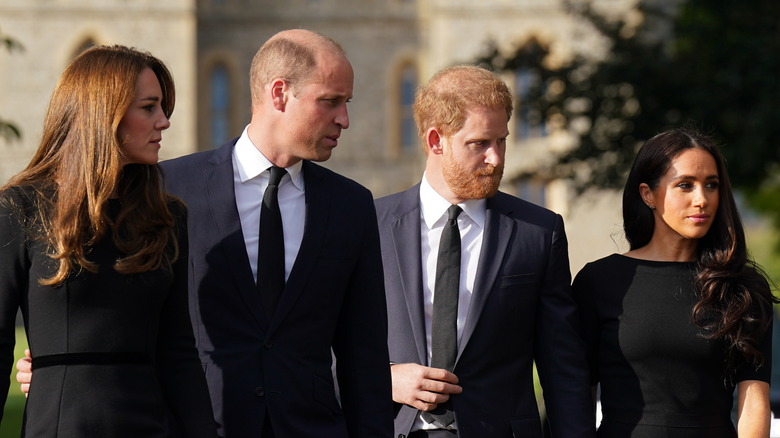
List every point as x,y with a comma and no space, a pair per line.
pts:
477,190
320,156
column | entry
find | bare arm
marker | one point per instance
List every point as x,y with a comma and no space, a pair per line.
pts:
753,412
422,387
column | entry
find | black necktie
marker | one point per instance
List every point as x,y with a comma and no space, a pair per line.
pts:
270,249
444,325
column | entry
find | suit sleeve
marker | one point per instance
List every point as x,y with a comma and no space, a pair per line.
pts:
361,342
13,274
181,375
560,350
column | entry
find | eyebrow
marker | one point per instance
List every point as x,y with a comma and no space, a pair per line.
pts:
152,98
677,178
487,137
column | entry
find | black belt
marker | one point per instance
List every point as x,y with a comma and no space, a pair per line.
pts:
101,358
433,433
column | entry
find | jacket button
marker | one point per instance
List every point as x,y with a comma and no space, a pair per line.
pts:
260,391
268,345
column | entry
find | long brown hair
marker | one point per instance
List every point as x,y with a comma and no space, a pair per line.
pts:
77,167
734,295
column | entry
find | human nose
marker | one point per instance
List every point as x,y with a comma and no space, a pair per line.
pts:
494,155
700,197
342,117
163,123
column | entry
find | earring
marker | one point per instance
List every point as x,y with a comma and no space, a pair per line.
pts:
652,207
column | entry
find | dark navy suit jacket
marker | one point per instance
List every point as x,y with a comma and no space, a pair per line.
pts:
521,310
280,369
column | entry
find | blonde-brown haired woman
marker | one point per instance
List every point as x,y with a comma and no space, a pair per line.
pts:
95,254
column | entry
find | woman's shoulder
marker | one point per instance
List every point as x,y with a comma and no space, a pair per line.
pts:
20,199
594,273
608,263
613,270
20,213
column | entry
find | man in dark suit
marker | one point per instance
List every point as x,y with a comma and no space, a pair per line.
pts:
267,359
268,364
511,303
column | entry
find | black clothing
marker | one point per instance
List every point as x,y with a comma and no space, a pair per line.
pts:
659,377
117,351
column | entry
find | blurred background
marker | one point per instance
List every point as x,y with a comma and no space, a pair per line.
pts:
592,79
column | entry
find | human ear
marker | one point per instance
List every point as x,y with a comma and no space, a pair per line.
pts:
278,92
433,141
647,195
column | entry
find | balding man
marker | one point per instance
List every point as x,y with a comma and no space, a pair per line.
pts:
265,341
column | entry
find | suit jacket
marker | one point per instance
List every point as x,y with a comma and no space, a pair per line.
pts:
521,310
279,370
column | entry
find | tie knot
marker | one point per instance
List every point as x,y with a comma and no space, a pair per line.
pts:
277,173
453,212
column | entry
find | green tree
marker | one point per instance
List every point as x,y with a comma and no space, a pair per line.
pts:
7,129
709,64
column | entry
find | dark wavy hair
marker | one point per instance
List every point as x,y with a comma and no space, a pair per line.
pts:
735,299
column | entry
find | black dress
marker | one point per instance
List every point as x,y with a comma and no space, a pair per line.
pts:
113,354
658,376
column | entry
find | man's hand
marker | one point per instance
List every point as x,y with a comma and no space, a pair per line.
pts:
422,387
24,372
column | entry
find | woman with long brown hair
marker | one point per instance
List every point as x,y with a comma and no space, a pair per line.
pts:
682,319
94,252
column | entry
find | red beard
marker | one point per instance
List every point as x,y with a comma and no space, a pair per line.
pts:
480,184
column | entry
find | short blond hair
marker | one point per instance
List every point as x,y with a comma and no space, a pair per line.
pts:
452,92
291,55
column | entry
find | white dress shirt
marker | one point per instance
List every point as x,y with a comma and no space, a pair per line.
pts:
471,223
250,179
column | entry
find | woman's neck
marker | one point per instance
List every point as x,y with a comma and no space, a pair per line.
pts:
683,250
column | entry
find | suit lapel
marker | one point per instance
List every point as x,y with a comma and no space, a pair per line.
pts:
218,181
498,229
406,240
318,200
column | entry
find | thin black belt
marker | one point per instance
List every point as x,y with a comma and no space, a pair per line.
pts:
100,358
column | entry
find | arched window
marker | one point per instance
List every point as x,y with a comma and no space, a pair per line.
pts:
406,128
532,190
529,122
219,104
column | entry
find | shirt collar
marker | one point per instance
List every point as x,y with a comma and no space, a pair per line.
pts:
433,206
251,162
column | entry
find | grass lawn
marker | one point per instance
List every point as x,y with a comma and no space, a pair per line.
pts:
14,406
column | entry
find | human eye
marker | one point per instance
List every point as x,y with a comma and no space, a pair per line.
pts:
713,185
685,185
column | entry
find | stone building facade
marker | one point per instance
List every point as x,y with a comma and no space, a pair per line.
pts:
394,45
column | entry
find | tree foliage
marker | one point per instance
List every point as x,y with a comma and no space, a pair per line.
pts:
708,64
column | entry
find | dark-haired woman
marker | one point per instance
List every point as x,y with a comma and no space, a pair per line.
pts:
95,255
684,317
